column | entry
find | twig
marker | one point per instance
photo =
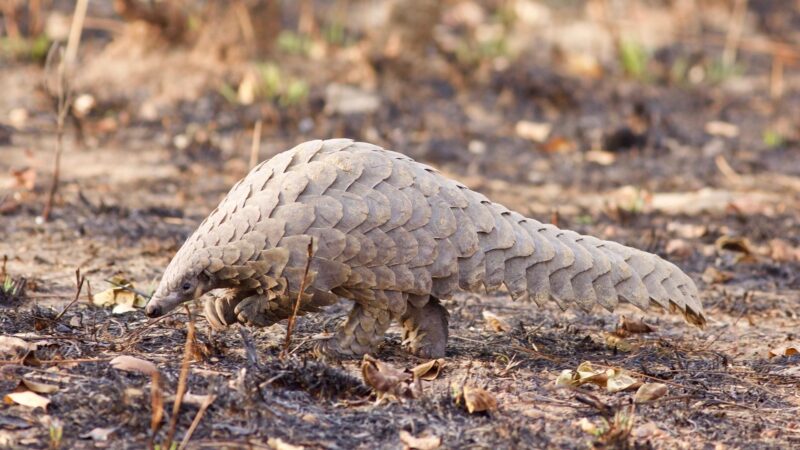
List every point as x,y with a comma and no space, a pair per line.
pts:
187,355
206,403
156,406
79,279
734,35
293,317
256,145
127,287
63,102
74,39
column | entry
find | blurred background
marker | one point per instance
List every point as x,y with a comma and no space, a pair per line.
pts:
610,116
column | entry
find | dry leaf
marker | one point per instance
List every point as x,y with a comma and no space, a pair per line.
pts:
567,377
617,342
10,345
279,444
559,144
99,434
679,248
589,374
649,392
123,300
131,364
633,326
618,380
430,370
410,442
784,351
648,430
39,388
601,157
737,244
712,275
478,400
24,178
534,131
387,381
27,398
722,129
495,323
782,251
587,426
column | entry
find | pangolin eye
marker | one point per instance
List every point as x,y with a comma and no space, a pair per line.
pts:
186,286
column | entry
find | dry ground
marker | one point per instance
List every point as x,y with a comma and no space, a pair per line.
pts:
138,184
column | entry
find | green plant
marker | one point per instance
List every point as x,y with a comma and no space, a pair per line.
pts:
772,138
634,58
56,433
293,43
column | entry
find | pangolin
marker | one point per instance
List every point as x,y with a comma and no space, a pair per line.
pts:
394,236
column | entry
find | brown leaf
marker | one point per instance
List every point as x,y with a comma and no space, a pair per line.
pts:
130,364
559,144
386,380
679,248
429,442
495,323
587,373
618,380
649,392
99,434
633,326
39,388
14,346
737,244
712,275
478,400
781,250
280,444
784,351
24,178
430,370
27,398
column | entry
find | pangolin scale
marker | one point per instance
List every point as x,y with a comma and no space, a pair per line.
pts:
394,236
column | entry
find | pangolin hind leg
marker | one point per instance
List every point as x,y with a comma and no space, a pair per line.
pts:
361,333
425,329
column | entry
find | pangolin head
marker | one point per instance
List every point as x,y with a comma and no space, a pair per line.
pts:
185,279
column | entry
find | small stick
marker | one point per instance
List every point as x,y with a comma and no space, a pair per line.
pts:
79,279
206,403
255,148
64,101
734,35
127,287
74,39
293,317
156,406
187,354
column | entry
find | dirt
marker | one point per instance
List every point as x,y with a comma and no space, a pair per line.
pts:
628,158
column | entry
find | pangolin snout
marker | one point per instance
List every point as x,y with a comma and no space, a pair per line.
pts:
153,310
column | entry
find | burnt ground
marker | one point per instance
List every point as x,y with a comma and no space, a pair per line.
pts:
637,157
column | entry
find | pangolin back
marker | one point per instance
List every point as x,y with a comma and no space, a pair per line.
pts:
382,223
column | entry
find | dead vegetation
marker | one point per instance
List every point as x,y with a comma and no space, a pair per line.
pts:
671,126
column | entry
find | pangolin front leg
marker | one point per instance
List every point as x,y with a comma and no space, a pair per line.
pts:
425,329
220,306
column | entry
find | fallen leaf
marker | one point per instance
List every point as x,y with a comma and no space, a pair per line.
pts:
478,400
601,157
10,345
679,248
559,144
429,370
784,351
633,326
495,323
722,129
781,250
39,388
618,342
99,434
429,442
712,275
24,178
387,381
567,377
533,131
27,398
648,430
130,364
123,300
739,245
587,373
280,444
649,392
618,380
588,427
